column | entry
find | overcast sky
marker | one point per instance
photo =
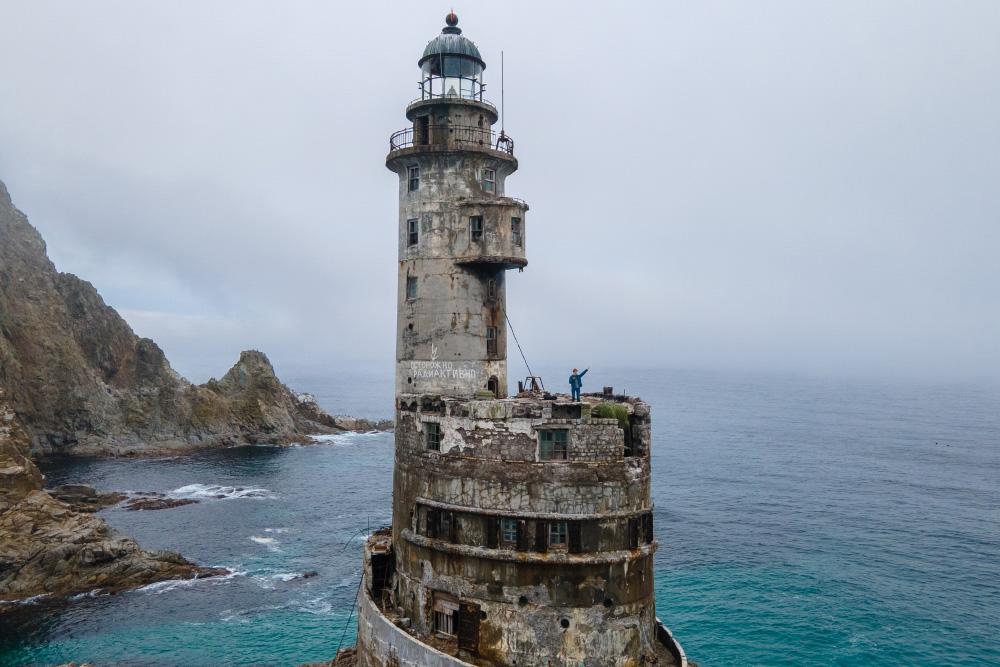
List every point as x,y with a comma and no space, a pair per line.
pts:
805,187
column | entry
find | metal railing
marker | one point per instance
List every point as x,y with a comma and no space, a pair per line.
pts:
463,135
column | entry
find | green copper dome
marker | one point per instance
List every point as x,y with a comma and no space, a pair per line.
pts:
451,41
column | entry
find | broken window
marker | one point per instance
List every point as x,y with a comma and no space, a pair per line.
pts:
476,228
489,180
633,533
491,288
412,231
491,340
558,535
414,173
433,431
411,288
445,611
552,445
541,537
647,528
515,231
492,532
509,532
575,539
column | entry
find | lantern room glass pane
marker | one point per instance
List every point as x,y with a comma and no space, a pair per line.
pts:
452,66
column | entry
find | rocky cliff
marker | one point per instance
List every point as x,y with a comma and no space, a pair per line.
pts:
81,382
48,548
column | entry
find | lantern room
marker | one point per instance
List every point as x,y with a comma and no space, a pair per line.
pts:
451,65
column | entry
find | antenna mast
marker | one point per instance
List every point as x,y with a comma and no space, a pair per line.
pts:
502,118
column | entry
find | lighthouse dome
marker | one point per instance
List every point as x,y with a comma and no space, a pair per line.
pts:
451,42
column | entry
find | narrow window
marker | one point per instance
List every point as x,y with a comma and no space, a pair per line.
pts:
558,535
433,431
647,528
476,228
491,289
552,445
575,539
412,231
633,533
541,537
515,231
509,532
431,525
414,178
411,288
445,611
492,532
489,180
491,340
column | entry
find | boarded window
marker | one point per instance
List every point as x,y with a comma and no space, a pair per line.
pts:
522,535
552,445
433,431
412,231
492,532
468,626
491,340
515,231
575,543
647,528
633,533
489,180
431,524
476,228
541,537
414,174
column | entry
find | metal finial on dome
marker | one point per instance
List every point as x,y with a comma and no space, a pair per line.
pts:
452,21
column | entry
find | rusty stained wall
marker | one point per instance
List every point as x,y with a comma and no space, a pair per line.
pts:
441,335
488,462
441,346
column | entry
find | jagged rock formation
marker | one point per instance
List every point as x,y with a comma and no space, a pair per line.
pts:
48,548
82,382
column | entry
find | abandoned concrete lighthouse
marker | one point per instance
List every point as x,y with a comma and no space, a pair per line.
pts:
522,527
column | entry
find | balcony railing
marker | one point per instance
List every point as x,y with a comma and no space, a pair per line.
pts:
461,135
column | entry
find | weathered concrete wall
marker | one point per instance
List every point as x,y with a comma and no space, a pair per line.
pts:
443,331
594,606
382,644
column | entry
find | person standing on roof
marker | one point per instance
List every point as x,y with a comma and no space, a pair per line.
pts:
575,383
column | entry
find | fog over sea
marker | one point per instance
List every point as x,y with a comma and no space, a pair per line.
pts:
801,521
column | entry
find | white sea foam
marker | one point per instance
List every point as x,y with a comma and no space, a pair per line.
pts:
31,600
161,587
200,491
275,530
342,438
269,542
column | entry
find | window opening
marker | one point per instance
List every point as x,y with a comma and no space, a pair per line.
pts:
476,228
445,611
489,180
412,231
411,288
414,178
515,231
558,535
433,430
633,533
493,386
491,340
552,445
509,532
491,288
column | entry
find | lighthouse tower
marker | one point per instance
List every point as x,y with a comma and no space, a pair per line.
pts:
458,232
522,527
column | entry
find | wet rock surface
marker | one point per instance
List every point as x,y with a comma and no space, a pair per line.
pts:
48,548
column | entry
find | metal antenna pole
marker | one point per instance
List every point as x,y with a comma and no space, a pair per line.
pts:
502,119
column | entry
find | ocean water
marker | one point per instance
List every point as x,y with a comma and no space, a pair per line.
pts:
801,522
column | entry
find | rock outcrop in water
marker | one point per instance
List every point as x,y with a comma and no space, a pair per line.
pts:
48,548
83,383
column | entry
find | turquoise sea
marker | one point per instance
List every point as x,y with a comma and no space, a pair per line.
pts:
801,521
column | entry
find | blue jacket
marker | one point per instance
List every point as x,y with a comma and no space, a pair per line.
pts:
574,380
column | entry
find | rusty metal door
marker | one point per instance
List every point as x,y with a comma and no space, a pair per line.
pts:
468,627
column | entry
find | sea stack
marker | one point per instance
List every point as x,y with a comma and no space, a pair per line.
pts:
522,526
